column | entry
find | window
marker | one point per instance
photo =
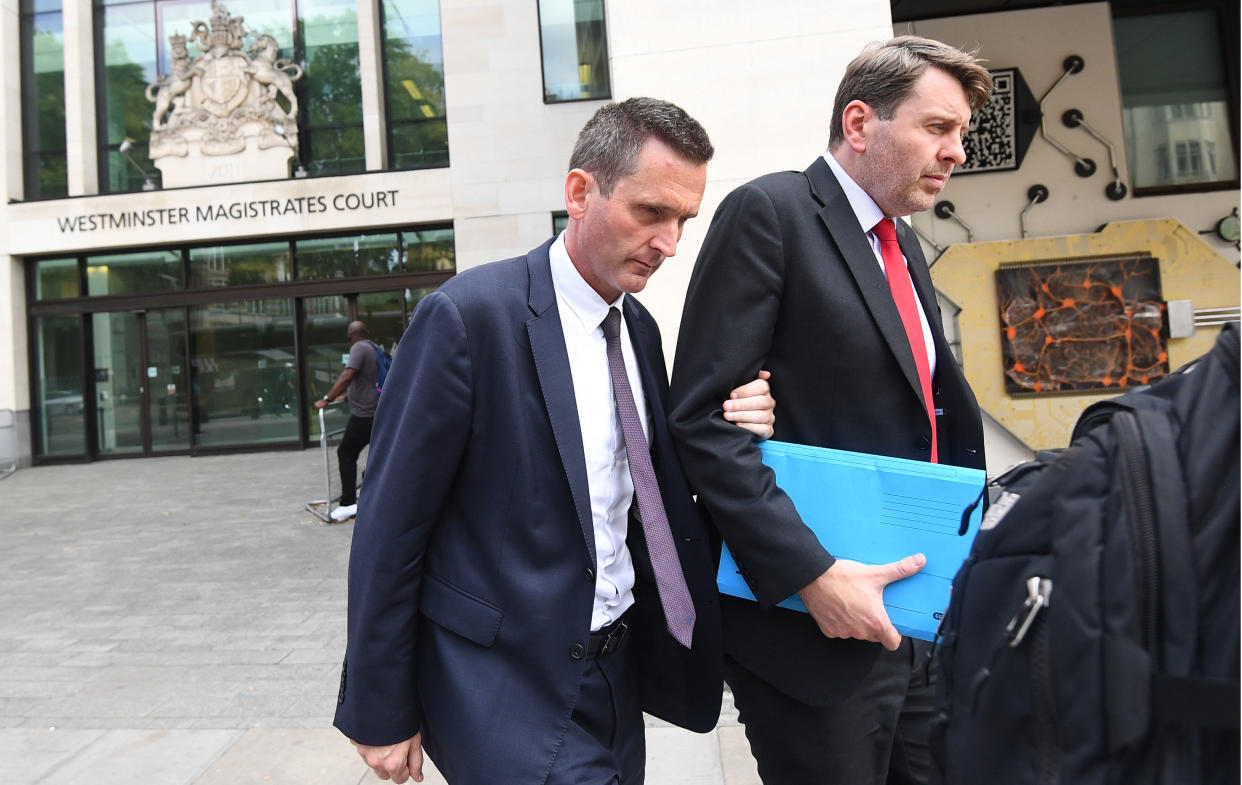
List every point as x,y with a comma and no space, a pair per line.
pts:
132,48
414,75
58,361
331,123
125,63
1175,101
348,257
233,359
55,279
218,266
575,50
133,273
43,99
1196,159
560,221
244,372
1162,162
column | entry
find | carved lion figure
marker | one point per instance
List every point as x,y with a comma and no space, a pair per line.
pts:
168,89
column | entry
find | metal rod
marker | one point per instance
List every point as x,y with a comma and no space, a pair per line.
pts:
1036,193
1073,64
938,249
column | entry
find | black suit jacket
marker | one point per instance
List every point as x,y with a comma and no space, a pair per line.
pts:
786,280
471,580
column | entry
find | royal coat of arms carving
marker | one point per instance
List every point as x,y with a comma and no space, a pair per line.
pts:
228,114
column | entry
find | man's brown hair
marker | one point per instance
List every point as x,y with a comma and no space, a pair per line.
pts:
884,75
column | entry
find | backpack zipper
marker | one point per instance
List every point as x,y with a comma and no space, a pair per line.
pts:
1043,703
1141,517
1029,622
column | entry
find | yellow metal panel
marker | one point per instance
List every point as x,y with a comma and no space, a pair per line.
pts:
1189,270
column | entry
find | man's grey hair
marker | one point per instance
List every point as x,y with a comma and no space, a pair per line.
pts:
609,143
884,75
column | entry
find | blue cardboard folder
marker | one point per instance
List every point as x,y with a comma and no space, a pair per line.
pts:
875,510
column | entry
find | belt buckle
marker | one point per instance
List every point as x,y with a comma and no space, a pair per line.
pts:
614,638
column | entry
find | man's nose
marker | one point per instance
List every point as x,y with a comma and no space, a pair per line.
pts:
665,240
954,152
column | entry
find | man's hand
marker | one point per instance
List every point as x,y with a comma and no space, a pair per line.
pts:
847,600
322,402
751,406
398,762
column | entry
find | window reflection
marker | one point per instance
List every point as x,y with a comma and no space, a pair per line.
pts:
321,34
244,372
43,102
239,265
132,273
56,279
429,250
348,257
327,346
62,426
1175,99
126,64
332,132
414,68
575,50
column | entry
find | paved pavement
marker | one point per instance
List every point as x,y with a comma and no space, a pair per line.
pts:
181,621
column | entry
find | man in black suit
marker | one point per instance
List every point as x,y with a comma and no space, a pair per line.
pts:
529,572
792,277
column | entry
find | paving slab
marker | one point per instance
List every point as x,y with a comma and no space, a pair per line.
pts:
125,757
282,756
181,621
680,756
26,756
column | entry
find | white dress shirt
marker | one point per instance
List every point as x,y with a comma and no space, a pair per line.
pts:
868,214
603,443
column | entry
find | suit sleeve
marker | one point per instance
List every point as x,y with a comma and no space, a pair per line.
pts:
420,433
727,328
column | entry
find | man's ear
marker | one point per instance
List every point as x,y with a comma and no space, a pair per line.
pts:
579,186
855,125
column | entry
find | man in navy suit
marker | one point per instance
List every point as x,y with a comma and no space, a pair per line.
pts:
507,607
832,295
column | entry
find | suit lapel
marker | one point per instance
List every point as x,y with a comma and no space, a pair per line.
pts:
852,243
547,344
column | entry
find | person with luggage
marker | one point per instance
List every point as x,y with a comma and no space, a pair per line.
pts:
358,382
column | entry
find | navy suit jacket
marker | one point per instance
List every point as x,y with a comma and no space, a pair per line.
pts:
786,280
472,574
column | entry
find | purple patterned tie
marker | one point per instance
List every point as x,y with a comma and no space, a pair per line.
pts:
671,583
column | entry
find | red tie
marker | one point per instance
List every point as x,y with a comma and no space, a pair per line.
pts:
903,295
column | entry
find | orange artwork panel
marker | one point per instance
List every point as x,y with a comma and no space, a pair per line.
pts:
1082,325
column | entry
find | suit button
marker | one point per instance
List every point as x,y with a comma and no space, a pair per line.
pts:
923,443
577,652
590,574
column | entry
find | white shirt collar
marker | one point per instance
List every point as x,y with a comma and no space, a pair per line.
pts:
582,301
866,211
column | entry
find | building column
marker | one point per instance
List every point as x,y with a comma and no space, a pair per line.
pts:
370,63
14,379
82,151
10,103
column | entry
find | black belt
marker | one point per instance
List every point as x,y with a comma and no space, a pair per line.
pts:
608,639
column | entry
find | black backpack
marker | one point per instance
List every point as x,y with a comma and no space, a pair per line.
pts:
1092,635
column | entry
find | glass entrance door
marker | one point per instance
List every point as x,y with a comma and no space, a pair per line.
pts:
142,399
119,386
167,374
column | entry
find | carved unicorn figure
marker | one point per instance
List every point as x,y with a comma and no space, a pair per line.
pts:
276,75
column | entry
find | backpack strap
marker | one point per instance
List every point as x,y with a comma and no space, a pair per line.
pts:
1195,701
